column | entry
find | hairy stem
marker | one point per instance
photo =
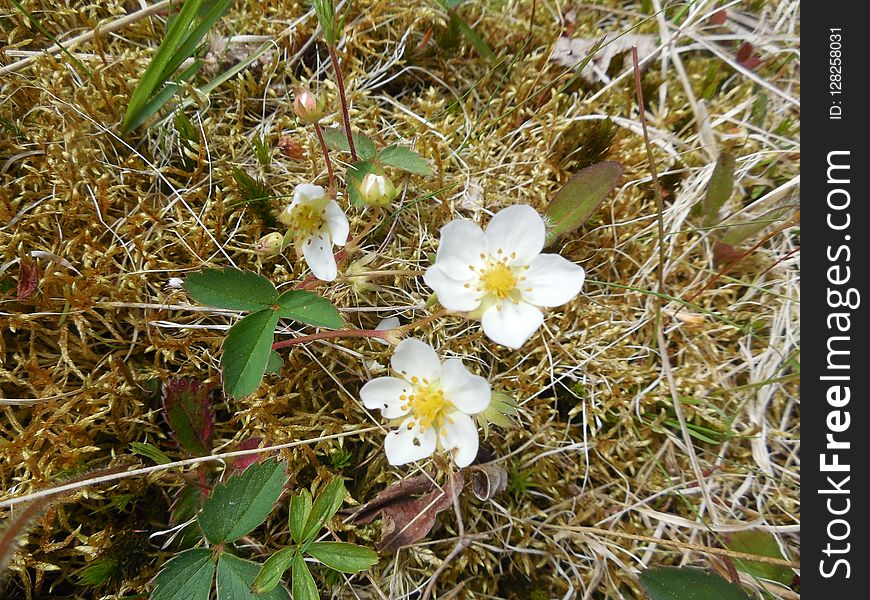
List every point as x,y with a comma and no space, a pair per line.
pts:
340,81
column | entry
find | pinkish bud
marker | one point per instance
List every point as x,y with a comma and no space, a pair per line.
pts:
308,107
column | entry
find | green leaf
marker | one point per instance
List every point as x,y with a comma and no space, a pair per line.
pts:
760,543
243,503
246,352
739,232
232,289
300,509
686,583
153,78
150,451
499,412
719,189
342,556
405,159
354,176
273,570
581,196
473,38
308,307
325,10
275,362
187,405
336,139
187,576
325,506
235,577
303,583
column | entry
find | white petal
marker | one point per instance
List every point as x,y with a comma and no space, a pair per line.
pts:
317,250
461,247
307,193
460,435
414,358
384,394
452,294
551,280
517,231
336,220
406,445
468,392
512,324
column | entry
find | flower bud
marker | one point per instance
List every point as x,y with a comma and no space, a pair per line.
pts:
270,244
377,190
308,107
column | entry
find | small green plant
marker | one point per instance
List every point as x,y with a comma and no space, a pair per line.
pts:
247,349
233,510
307,517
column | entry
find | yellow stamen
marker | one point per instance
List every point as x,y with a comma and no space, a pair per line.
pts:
498,279
429,406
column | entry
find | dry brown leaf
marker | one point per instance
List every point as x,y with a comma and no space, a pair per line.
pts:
488,480
571,52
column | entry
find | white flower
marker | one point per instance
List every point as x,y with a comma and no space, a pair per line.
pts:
434,401
502,273
315,223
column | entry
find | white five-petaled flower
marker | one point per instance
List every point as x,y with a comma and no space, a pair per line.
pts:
434,401
501,274
315,223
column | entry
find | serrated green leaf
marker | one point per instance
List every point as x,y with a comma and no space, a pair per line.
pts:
275,362
150,451
686,583
342,556
235,576
405,159
246,352
499,412
325,506
187,576
336,139
232,289
273,570
300,509
303,583
354,176
719,189
242,503
760,543
581,196
308,307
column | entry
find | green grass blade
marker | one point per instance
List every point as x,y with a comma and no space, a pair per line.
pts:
194,38
153,78
164,95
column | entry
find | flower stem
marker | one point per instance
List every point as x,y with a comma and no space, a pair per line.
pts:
325,149
340,81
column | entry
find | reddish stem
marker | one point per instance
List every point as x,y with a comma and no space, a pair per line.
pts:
340,80
325,150
325,335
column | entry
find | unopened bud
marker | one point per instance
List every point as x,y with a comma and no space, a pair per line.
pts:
377,190
308,107
270,244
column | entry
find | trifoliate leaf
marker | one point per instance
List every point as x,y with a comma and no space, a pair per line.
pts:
336,139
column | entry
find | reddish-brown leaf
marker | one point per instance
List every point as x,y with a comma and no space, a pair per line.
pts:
28,280
407,516
720,17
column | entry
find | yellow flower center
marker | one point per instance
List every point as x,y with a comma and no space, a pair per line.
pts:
428,404
305,219
498,279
